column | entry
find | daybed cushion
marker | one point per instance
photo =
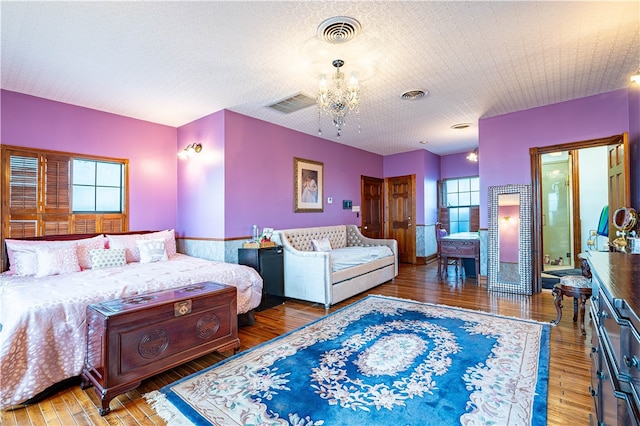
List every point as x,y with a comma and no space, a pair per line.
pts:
348,257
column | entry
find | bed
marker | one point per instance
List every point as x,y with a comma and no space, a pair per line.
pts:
42,318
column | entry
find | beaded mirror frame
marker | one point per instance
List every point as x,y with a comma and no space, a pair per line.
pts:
496,281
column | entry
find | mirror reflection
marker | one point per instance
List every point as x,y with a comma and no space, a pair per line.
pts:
508,231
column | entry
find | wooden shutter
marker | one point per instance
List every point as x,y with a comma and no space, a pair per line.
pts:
20,217
57,185
23,187
56,209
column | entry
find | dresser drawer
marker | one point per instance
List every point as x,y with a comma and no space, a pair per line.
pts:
449,248
610,321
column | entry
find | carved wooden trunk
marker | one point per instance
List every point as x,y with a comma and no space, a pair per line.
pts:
134,338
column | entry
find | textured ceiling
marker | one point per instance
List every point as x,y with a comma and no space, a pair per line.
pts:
175,62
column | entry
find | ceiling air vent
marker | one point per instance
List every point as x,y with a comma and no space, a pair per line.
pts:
339,29
293,103
414,94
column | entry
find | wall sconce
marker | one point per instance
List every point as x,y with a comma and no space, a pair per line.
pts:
190,150
473,156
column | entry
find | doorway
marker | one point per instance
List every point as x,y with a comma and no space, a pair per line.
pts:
578,229
557,210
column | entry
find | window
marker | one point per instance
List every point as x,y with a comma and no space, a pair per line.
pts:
97,186
51,192
459,204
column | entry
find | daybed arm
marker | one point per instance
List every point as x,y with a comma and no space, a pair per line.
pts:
307,274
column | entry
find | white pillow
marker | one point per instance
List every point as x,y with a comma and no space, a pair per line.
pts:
152,250
103,258
56,260
128,242
321,245
23,259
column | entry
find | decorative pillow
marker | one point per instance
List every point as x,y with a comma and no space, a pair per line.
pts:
128,243
22,256
56,260
169,237
152,250
23,259
321,245
83,246
107,258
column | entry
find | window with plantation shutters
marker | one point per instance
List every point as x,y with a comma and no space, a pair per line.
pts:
458,204
38,188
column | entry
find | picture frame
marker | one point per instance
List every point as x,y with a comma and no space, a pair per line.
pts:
308,186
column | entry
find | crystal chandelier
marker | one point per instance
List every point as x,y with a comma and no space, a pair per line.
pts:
338,99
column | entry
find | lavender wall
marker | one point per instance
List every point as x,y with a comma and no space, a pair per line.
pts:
457,165
504,141
201,183
251,179
33,122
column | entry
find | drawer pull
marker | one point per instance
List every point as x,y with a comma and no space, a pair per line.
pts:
601,375
633,362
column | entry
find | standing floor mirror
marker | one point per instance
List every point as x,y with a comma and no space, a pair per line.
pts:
509,246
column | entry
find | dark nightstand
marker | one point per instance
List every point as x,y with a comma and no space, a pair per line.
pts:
269,262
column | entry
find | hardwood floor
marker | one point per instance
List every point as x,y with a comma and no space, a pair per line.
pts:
569,401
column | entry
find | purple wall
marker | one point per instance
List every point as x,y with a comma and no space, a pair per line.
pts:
254,182
201,194
426,166
457,166
504,141
34,122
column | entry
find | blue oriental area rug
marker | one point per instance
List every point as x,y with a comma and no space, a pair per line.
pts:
379,361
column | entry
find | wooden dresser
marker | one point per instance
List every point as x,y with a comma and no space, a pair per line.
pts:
615,337
134,338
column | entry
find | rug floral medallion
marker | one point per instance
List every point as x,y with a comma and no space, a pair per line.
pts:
379,361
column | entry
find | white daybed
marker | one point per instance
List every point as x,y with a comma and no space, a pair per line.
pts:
353,264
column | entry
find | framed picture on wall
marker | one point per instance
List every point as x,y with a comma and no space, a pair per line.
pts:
308,185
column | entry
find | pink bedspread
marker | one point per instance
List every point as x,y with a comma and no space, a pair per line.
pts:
43,335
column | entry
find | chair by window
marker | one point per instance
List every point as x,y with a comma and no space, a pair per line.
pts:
444,263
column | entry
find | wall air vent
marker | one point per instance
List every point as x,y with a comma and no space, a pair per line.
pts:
339,29
293,103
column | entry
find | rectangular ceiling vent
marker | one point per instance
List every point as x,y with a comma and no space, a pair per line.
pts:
293,103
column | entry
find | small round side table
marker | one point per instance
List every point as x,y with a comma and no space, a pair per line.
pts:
575,286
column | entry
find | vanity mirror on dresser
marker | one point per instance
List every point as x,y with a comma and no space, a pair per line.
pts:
615,337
